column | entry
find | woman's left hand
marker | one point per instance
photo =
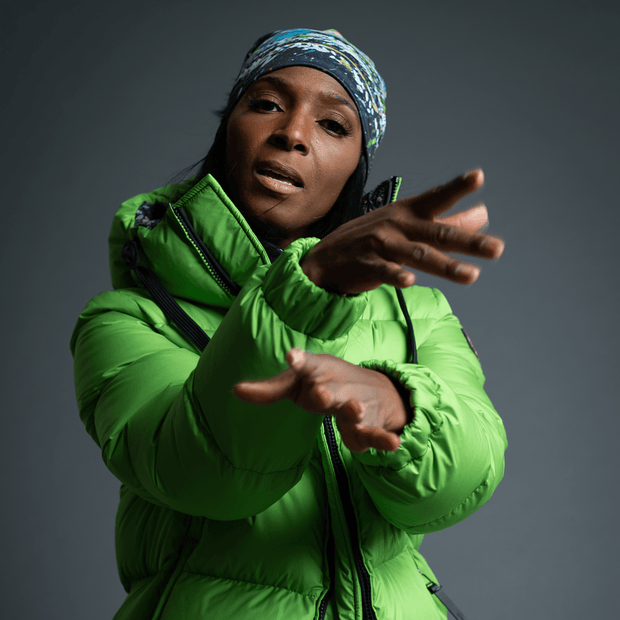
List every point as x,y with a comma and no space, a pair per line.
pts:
369,410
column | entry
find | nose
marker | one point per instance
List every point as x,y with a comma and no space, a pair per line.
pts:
293,132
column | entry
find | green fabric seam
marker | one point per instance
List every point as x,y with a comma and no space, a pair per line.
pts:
445,517
253,583
204,419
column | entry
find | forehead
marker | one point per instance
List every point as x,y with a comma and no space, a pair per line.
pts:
308,80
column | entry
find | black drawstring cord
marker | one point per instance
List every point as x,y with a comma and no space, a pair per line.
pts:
403,307
167,303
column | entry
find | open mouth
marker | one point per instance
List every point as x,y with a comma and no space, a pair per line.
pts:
281,178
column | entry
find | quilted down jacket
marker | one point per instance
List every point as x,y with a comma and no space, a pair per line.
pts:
239,511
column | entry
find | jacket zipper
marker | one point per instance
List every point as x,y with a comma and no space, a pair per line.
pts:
343,488
215,269
331,559
394,187
224,280
323,606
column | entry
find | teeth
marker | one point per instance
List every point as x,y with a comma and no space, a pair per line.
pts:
276,176
282,181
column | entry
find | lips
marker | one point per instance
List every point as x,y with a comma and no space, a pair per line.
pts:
273,171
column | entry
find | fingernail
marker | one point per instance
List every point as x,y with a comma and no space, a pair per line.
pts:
406,277
476,172
467,272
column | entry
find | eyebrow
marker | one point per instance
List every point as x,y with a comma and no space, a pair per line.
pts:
328,95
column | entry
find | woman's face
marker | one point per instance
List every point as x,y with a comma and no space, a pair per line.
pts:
292,142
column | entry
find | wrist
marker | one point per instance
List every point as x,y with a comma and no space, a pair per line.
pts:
289,293
314,273
312,270
399,409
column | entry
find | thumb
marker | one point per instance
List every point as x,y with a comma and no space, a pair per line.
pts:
472,219
268,391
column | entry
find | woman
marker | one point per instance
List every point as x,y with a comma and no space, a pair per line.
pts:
237,500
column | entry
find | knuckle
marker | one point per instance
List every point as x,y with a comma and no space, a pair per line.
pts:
368,244
310,382
419,252
376,241
451,269
383,235
390,270
477,244
444,234
320,395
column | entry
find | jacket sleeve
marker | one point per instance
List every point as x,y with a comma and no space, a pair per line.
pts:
452,454
165,418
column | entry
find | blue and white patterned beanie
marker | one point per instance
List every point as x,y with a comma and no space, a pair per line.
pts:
330,52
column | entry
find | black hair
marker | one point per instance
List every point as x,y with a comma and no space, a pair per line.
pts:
348,206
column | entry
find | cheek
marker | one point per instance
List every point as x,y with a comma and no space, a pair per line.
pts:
339,167
241,141
234,146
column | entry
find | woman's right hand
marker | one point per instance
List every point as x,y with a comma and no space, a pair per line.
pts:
371,250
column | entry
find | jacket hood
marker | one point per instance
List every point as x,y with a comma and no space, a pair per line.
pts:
169,224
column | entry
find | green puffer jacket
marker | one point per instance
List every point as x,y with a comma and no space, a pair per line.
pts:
237,511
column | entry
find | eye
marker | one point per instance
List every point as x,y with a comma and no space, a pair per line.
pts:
264,105
335,127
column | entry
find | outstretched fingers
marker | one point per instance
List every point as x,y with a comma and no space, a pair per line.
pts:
314,389
358,437
295,383
424,257
444,197
362,438
449,238
268,391
475,219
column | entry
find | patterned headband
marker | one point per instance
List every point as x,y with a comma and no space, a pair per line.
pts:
328,51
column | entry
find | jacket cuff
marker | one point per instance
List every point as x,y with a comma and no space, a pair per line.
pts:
425,402
301,304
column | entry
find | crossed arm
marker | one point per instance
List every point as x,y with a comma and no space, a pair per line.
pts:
360,256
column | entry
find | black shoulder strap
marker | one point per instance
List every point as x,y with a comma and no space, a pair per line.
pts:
167,303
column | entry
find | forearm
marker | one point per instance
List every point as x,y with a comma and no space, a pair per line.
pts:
449,462
278,308
452,452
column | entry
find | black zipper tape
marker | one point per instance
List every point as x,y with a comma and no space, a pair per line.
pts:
331,558
347,505
221,276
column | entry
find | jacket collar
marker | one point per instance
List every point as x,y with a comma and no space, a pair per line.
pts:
171,252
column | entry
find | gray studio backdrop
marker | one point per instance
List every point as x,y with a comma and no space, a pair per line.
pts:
102,101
